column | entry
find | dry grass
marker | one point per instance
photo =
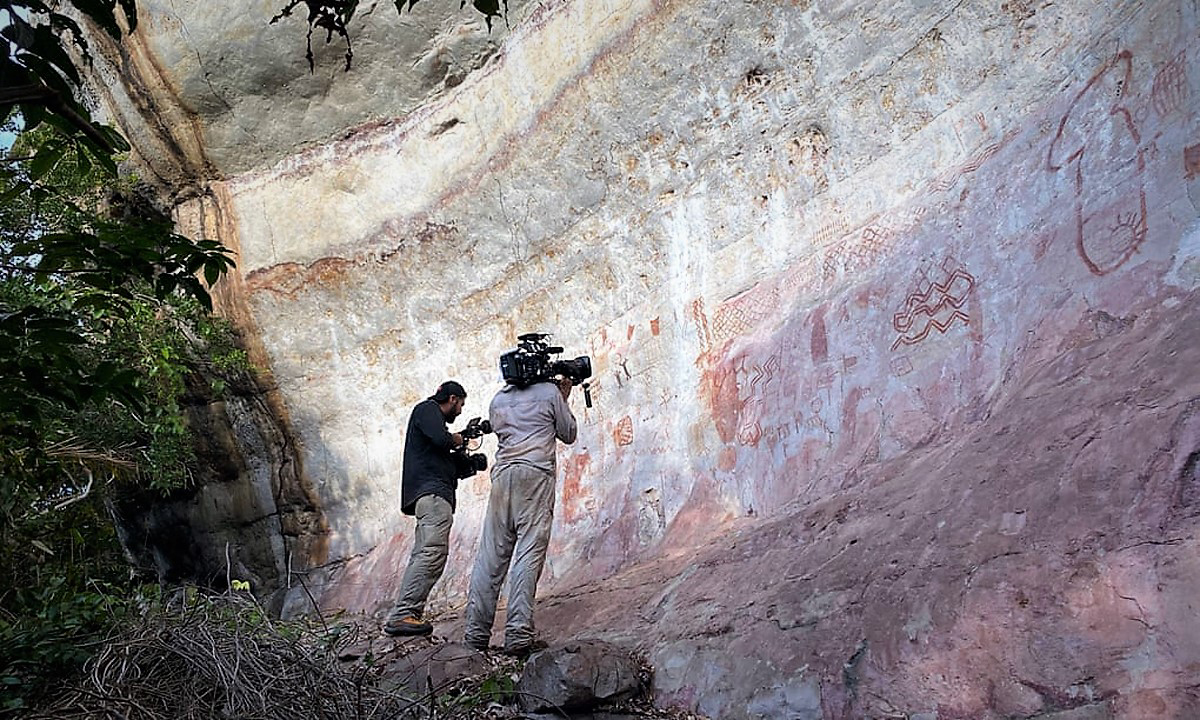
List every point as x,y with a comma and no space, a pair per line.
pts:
223,657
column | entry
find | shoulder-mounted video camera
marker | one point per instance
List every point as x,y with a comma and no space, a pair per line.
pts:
468,463
533,362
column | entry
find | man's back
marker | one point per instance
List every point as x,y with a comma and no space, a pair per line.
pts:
527,422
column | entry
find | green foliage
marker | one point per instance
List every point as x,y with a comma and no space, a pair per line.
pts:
105,333
102,319
40,75
498,687
53,640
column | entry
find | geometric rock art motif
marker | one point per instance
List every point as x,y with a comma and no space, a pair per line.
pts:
738,316
935,304
950,178
752,385
856,254
750,430
1169,91
1099,145
901,365
623,433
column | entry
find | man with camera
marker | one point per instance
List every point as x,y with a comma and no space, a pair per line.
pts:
430,478
529,415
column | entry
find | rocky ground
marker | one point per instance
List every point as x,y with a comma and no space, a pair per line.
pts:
583,679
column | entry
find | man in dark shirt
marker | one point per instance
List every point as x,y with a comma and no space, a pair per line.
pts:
427,491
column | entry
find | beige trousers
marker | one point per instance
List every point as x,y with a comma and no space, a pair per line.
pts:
431,546
517,529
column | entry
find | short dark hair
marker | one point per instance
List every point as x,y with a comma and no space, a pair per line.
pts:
446,389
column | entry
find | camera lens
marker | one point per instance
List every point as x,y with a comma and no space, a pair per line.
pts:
580,368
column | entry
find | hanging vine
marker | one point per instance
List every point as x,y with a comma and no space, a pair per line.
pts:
333,16
328,15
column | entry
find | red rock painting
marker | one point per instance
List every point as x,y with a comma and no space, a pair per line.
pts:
623,432
739,315
573,470
856,255
820,339
934,305
1099,146
1191,161
901,366
1170,88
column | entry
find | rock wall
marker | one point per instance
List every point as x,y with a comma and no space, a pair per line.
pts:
892,311
248,511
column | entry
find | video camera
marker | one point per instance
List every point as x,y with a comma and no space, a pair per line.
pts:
466,463
531,363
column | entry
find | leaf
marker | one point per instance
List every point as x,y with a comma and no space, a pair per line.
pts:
54,337
13,192
101,13
194,263
45,159
104,372
213,272
165,285
18,31
83,161
32,114
44,73
60,22
46,44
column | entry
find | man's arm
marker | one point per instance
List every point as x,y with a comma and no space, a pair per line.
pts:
564,420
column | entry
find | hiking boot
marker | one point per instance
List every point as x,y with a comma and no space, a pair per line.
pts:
524,650
407,625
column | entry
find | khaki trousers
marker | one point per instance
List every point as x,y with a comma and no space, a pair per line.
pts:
431,546
517,529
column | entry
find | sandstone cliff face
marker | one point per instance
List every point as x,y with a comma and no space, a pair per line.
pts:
893,312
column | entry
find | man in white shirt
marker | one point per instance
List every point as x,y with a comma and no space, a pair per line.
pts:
528,421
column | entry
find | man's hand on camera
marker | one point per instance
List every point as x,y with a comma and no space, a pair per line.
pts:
456,439
564,386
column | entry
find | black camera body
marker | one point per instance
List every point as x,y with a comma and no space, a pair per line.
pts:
533,362
466,463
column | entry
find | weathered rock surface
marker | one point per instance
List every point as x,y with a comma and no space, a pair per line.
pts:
578,675
245,514
1099,711
1042,559
433,669
893,311
208,89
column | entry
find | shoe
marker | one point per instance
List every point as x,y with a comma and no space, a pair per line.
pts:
407,625
480,647
524,650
